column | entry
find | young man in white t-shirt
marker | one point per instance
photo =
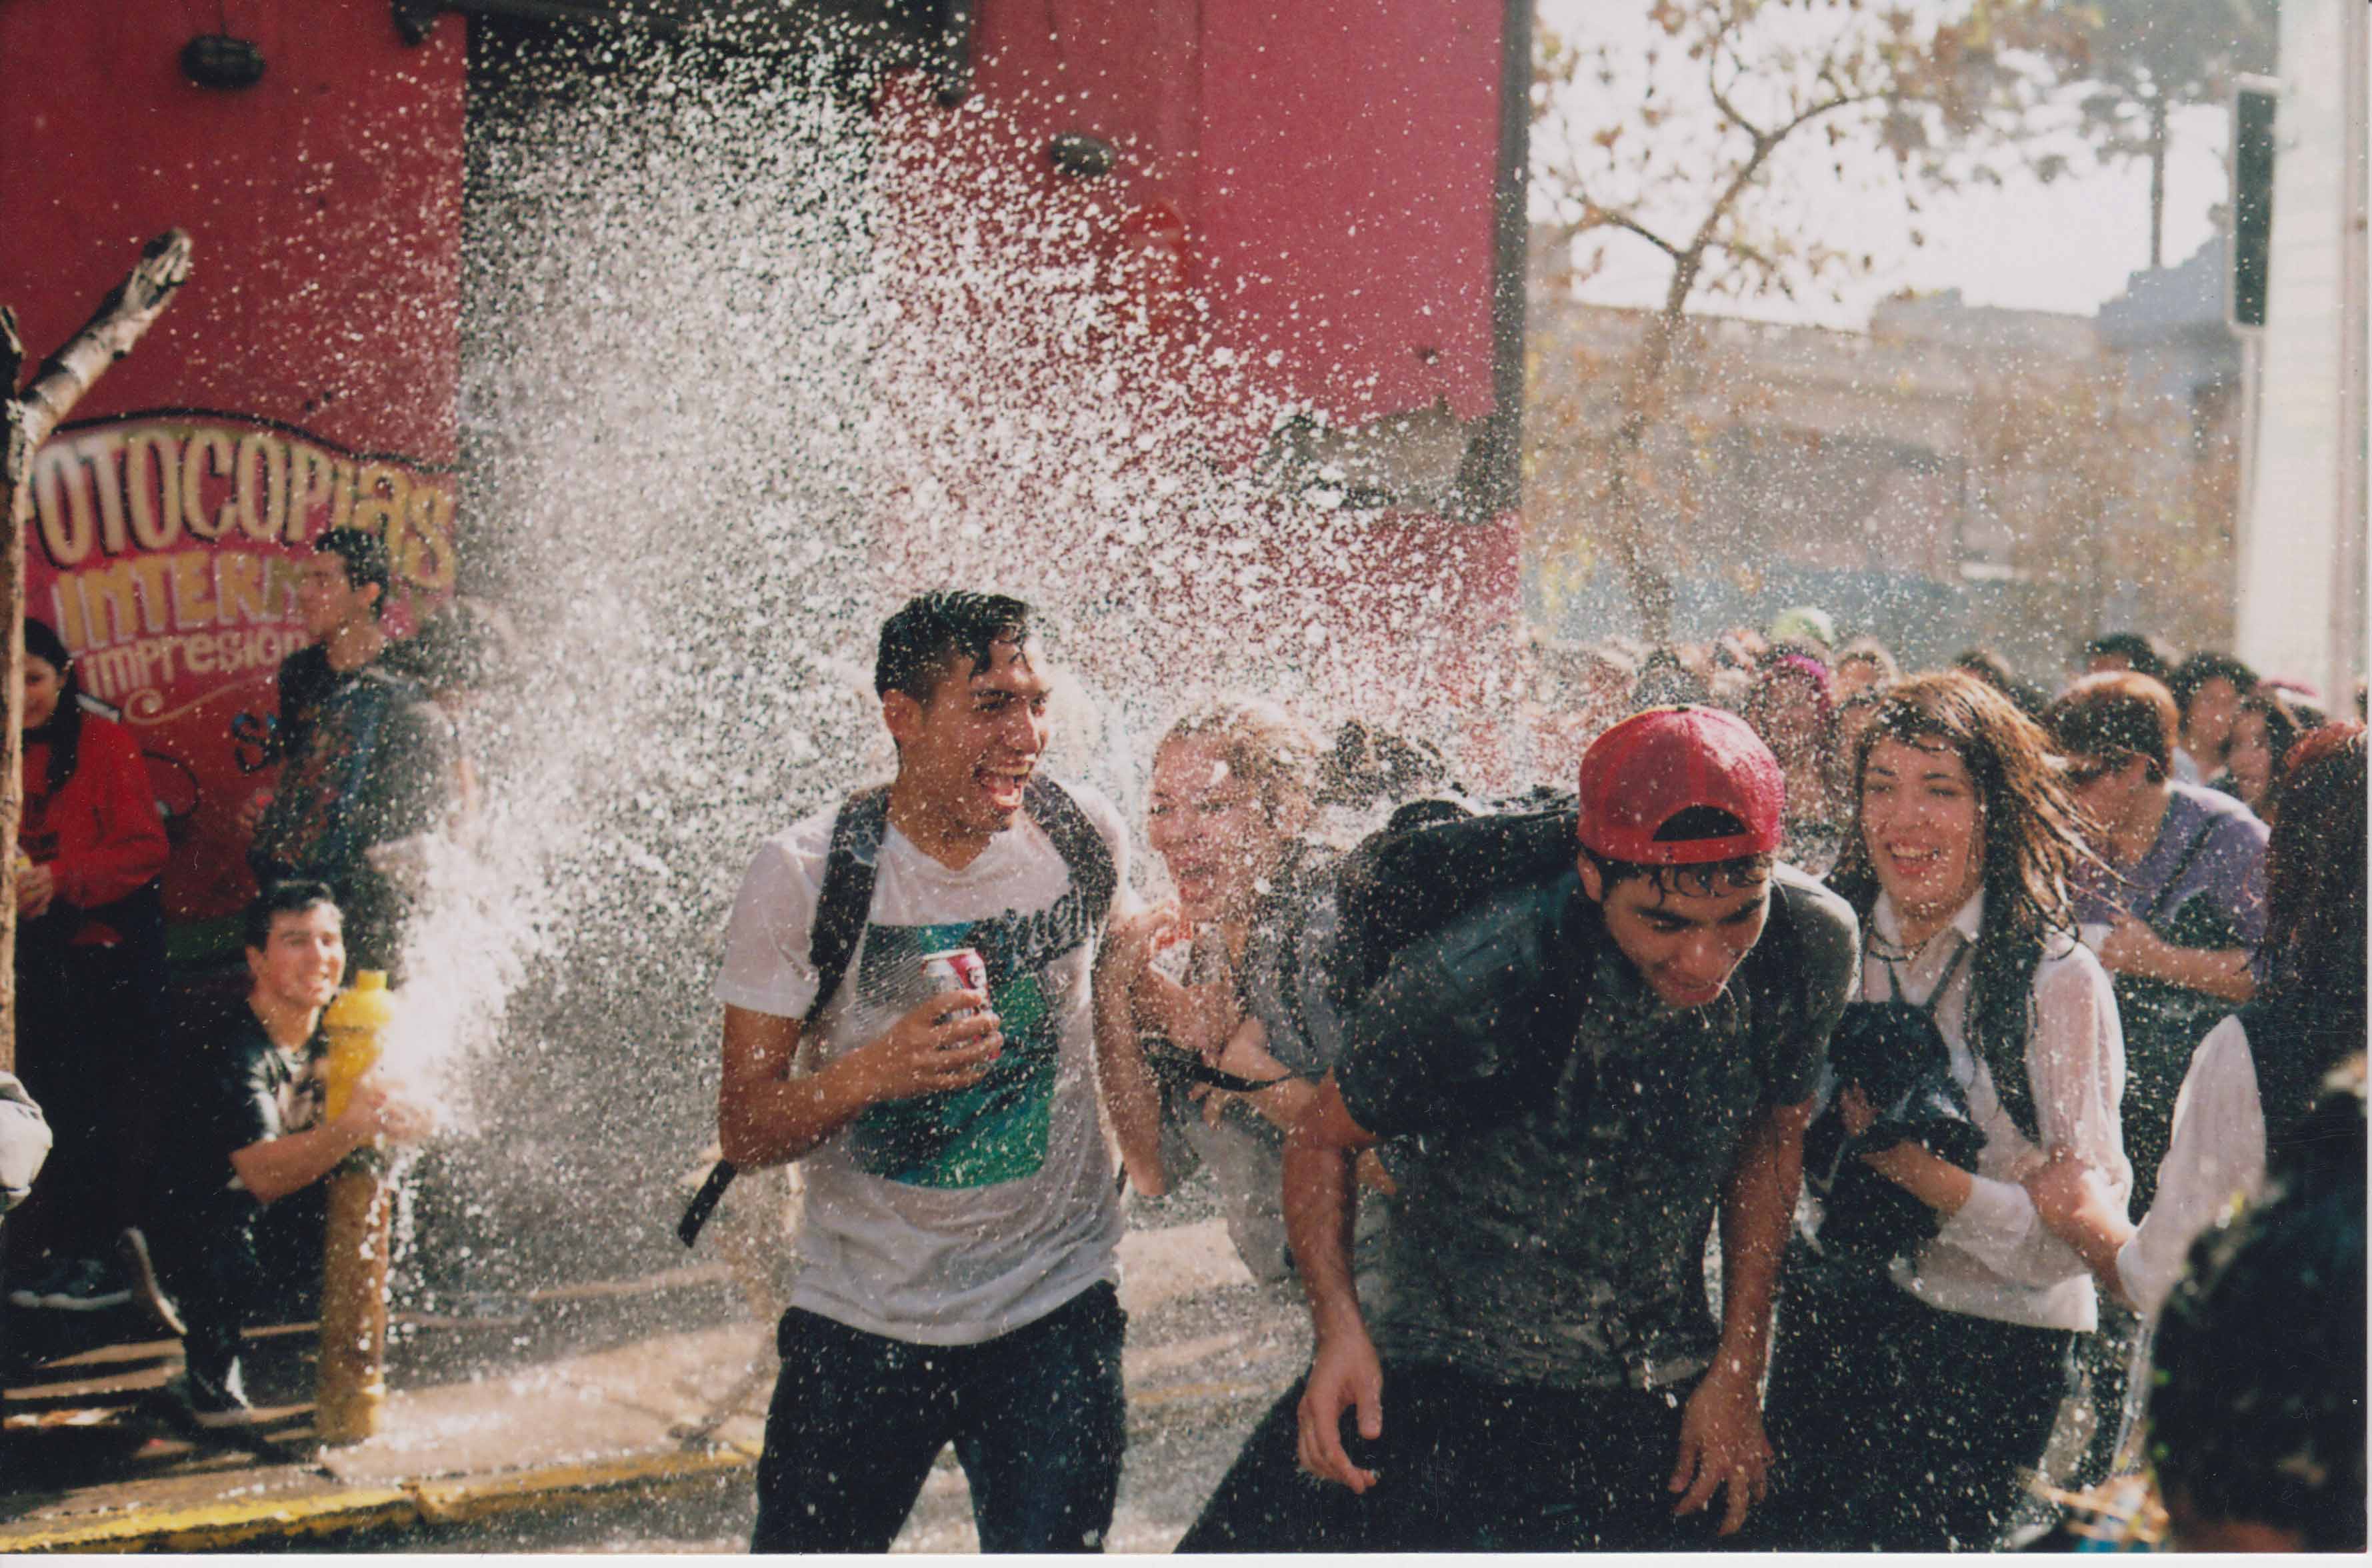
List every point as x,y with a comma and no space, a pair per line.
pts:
960,1221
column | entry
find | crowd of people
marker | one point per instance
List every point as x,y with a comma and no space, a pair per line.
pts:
185,1122
1891,991
1811,1117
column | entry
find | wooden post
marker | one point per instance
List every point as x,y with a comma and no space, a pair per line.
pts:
29,417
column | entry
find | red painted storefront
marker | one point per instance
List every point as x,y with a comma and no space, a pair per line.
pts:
1334,176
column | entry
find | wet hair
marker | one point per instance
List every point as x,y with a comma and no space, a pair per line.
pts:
2312,956
2143,654
2196,672
366,562
2032,846
1267,745
2265,1426
2114,715
922,642
294,896
63,732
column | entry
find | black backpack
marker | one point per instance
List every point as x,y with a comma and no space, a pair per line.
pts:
846,898
1432,862
1436,861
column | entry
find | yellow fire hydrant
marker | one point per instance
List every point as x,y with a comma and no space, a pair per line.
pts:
350,1387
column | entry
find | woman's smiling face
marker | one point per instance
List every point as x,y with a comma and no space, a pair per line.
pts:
1210,828
1922,825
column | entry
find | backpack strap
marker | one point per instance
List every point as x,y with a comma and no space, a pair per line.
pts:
847,896
2150,917
1084,853
842,905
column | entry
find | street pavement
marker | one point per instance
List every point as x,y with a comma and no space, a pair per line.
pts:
562,1424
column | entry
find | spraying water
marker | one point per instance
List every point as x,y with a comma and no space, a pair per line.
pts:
747,362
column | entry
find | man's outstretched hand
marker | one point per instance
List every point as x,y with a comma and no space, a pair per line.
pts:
1722,1444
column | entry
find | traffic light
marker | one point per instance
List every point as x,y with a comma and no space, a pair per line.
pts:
2253,100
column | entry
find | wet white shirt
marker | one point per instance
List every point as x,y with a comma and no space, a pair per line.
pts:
2216,1154
1996,1257
952,1218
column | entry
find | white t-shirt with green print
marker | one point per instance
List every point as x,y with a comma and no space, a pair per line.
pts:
958,1216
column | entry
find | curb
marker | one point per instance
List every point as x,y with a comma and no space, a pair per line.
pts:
216,1525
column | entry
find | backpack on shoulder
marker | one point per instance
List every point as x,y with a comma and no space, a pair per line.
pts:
1429,863
845,899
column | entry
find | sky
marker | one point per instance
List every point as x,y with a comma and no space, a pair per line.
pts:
2064,247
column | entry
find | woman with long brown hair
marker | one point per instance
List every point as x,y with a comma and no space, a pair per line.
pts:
1910,1392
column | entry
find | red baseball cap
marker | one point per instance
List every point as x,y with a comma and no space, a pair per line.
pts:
1654,765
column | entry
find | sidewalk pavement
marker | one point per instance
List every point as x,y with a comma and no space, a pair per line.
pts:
93,1462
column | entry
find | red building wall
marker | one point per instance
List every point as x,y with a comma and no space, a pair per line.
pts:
306,376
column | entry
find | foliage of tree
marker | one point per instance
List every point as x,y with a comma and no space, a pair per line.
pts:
1714,148
2142,60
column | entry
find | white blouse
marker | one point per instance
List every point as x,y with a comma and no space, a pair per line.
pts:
2216,1153
1996,1257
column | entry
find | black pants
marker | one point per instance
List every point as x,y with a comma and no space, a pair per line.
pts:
1898,1426
1467,1465
87,1034
1037,1417
230,1261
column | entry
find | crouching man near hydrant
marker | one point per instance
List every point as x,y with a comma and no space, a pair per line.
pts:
235,1229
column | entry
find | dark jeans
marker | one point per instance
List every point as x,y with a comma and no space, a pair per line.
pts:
88,1022
1037,1417
1467,1465
1898,1426
230,1261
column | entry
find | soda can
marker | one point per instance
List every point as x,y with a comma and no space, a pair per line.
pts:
956,969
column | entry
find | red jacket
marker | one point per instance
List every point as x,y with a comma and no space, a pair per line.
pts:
99,835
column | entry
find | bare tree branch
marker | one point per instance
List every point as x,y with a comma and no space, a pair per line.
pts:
1721,98
1596,217
1825,64
109,335
29,420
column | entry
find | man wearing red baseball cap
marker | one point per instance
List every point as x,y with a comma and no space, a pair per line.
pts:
1575,1075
